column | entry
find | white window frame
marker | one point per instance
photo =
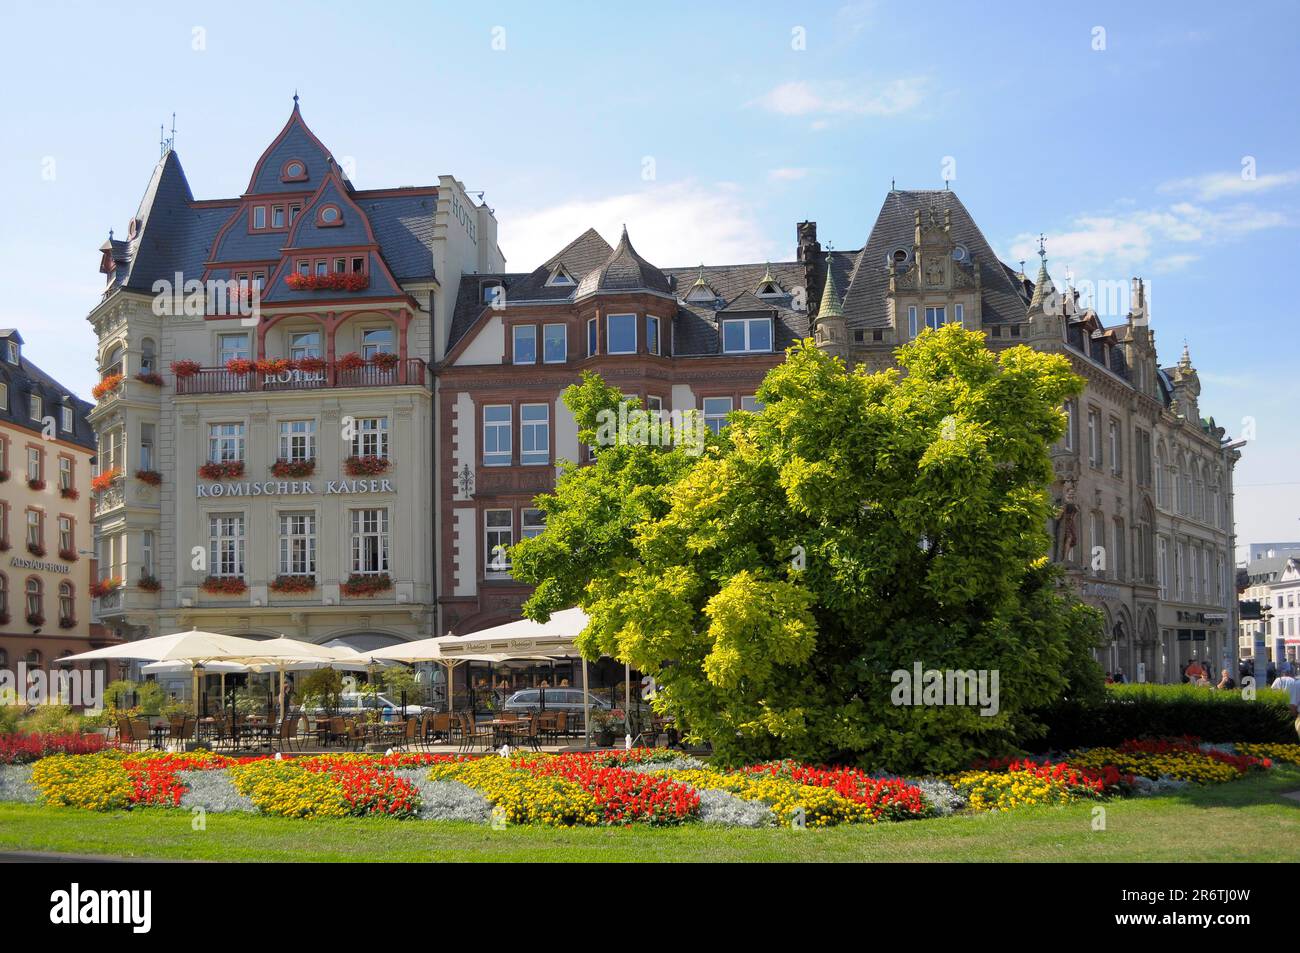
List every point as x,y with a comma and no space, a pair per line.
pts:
297,350
497,564
748,326
370,542
226,545
36,407
653,342
368,346
222,444
225,350
534,435
65,414
371,437
714,420
500,430
297,440
532,522
297,543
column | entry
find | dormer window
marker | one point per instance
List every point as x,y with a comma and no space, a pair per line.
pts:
769,289
294,171
899,256
702,294
12,354
746,335
329,216
294,209
959,253
492,292
277,216
560,277
259,216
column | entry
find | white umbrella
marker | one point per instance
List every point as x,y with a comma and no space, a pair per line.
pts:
284,654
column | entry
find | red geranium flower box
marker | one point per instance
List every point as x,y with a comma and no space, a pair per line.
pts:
293,468
149,584
104,586
106,479
292,584
69,554
239,365
351,361
224,585
36,484
152,477
149,377
106,386
222,471
69,493
185,368
366,466
385,360
35,618
36,549
273,365
360,585
66,623
336,281
310,365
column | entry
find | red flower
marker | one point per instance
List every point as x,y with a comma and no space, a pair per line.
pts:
152,477
69,554
69,493
106,479
36,484
351,361
149,584
292,584
104,586
366,466
149,377
239,365
224,585
385,360
293,468
222,471
185,368
106,386
363,584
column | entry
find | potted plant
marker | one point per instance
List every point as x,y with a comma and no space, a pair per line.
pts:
311,365
104,586
224,585
351,361
239,365
361,585
185,368
273,365
35,619
106,386
366,466
67,622
294,468
68,555
36,549
152,477
104,480
69,493
148,583
229,470
604,725
385,360
285,583
36,484
149,377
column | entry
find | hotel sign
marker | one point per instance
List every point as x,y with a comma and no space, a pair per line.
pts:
18,562
292,488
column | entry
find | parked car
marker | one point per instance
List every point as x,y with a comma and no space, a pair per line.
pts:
557,699
354,703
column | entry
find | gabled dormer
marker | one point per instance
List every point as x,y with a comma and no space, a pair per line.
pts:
701,292
11,347
768,286
295,161
560,277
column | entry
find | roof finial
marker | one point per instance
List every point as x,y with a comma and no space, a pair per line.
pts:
1042,251
1022,268
295,97
892,185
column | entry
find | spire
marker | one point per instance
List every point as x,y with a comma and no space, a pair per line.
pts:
295,100
831,307
699,281
1043,283
1186,360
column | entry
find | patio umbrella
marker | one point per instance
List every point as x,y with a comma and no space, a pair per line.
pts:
283,654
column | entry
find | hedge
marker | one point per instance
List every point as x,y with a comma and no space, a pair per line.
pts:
1166,711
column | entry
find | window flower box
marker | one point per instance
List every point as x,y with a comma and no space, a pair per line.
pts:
105,480
36,484
294,468
67,623
367,466
185,368
103,587
149,377
222,471
35,618
364,585
273,365
335,281
239,365
68,554
149,584
224,586
385,360
36,549
152,477
69,493
106,386
311,365
292,584
351,361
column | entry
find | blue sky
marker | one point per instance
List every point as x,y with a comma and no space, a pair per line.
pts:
1121,132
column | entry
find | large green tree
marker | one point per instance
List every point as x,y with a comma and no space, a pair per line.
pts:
856,526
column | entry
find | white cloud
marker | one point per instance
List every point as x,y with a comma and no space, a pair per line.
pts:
803,98
1115,245
1216,185
674,224
787,174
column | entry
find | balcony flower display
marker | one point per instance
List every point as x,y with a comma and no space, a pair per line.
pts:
149,377
36,549
106,479
106,386
148,583
103,587
360,585
385,360
337,281
239,365
366,466
152,477
185,368
352,361
69,493
36,484
229,470
294,468
68,554
273,365
292,584
224,585
35,618
310,365
67,622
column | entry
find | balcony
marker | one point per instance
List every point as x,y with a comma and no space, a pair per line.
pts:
411,371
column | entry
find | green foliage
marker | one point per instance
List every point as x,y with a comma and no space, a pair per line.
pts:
321,688
399,678
51,719
858,524
1166,711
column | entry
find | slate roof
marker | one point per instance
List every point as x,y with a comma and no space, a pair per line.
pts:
25,379
178,234
623,270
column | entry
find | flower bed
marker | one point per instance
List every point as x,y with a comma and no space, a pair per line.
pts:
23,748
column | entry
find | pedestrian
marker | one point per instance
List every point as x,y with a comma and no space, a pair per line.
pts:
1225,681
1291,685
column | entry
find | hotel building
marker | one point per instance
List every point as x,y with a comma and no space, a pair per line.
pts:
46,448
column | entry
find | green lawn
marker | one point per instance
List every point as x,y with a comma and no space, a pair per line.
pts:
1243,820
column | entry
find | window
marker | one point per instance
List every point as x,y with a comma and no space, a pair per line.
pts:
65,473
65,602
370,541
148,356
297,544
225,443
293,212
651,334
620,334
1180,570
655,405
4,594
11,351
498,537
751,404
1094,438
304,268
146,553
560,277
35,459
531,522
35,598
277,216
4,454
1098,556
65,415
591,338
959,312
1162,567
376,341
1116,466
715,412
35,407
65,534
231,347
524,338
4,396
259,216
330,215
555,343
912,329
1120,561
304,344
371,437
534,434
226,545
146,446
322,268
496,435
746,335
298,440
934,317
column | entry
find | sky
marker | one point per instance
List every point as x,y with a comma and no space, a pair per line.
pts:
1150,140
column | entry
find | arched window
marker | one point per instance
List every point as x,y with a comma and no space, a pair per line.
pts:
35,597
66,607
34,659
113,361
